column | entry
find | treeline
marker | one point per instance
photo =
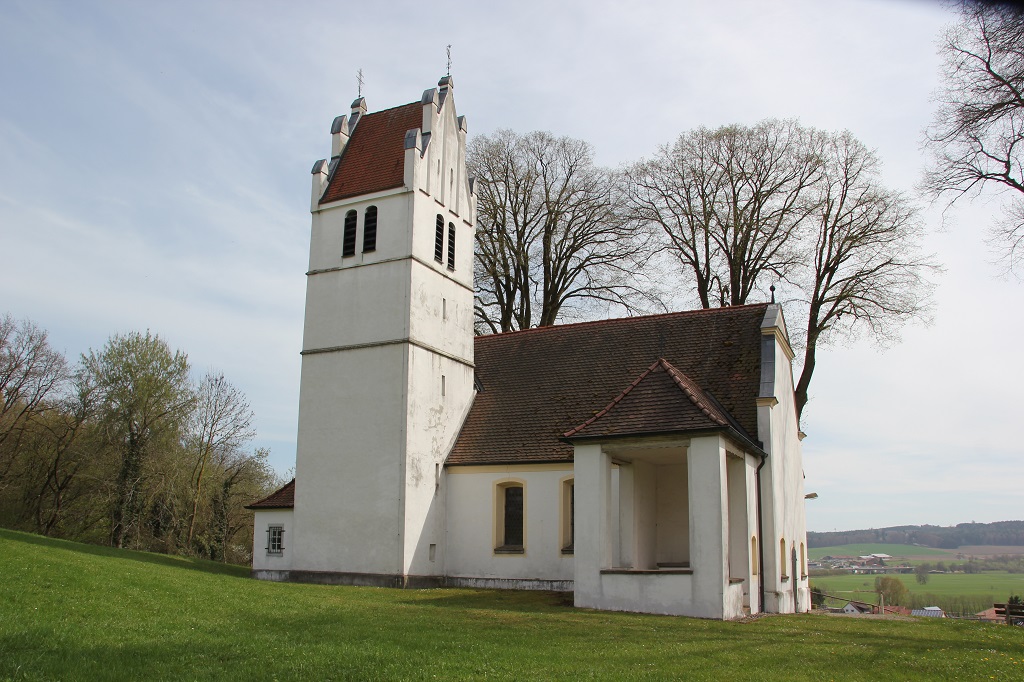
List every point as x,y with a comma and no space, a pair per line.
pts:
1006,533
125,447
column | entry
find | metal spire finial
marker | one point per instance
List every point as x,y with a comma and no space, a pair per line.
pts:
449,49
359,80
772,289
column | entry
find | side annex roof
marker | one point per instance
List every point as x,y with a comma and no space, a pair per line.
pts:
283,498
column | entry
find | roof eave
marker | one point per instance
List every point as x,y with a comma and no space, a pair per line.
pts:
735,435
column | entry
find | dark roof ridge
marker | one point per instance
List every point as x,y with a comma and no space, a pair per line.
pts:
697,395
615,401
679,313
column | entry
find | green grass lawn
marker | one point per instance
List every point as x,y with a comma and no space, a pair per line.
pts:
75,612
880,548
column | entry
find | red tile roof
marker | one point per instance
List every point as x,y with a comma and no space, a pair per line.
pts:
539,384
661,400
279,499
374,158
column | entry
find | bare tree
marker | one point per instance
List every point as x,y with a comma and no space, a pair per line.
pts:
552,237
221,423
740,208
864,267
30,370
730,203
977,137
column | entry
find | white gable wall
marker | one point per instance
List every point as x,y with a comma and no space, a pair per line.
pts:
782,476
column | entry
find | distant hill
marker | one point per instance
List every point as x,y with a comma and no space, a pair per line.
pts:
941,537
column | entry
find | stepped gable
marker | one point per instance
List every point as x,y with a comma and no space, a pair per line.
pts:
374,158
540,384
284,498
661,400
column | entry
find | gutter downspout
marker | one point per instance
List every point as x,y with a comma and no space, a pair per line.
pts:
760,536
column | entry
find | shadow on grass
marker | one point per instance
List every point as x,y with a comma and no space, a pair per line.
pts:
493,600
190,563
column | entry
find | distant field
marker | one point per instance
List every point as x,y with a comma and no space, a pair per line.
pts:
905,551
998,585
990,550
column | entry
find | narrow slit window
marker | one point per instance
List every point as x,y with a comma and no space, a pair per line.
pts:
348,241
509,517
370,229
513,517
782,557
451,246
439,239
568,516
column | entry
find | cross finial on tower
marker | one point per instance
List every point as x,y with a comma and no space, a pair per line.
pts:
359,80
449,49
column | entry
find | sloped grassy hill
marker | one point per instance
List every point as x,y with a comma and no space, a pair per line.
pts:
78,612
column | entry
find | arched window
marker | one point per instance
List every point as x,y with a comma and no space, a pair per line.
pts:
348,240
510,503
782,558
451,246
439,239
753,554
370,229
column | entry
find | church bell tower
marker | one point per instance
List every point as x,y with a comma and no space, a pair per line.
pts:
387,351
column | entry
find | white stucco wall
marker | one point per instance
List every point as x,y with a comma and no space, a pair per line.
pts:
384,332
782,478
471,499
261,559
348,468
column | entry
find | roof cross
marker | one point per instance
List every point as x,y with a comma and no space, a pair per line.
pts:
359,80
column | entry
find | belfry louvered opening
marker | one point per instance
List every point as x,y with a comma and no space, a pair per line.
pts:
348,242
439,239
370,229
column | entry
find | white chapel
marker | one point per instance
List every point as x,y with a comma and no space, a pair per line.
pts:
646,464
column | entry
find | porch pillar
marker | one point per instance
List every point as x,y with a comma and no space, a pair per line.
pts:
708,525
593,542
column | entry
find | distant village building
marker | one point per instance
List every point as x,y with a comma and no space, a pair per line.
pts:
647,464
929,612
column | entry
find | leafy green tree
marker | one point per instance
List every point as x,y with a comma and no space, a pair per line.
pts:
144,397
220,424
892,589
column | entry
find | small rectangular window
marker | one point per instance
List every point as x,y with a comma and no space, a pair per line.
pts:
275,540
442,385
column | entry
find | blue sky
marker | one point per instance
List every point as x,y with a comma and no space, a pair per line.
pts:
154,174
